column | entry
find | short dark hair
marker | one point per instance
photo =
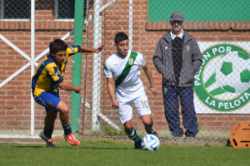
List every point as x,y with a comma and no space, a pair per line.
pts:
57,45
120,36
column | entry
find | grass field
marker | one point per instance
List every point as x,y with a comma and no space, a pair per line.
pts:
118,153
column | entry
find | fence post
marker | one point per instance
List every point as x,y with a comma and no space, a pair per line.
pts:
77,63
32,55
96,87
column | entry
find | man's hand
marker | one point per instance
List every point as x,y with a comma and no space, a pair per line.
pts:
99,49
77,89
153,90
170,80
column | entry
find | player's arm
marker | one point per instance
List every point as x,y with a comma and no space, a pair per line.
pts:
146,70
69,87
90,50
110,83
111,91
78,49
57,79
148,74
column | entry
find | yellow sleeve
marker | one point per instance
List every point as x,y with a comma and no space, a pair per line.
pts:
72,50
54,73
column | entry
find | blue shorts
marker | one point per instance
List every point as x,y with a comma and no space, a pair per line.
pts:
48,100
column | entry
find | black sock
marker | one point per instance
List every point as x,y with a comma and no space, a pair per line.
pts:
67,129
149,129
131,132
49,124
48,132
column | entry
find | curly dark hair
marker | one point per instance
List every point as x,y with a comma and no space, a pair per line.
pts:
57,45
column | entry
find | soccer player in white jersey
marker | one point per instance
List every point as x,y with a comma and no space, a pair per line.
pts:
122,72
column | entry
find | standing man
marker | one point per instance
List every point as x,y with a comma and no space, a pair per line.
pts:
126,89
177,57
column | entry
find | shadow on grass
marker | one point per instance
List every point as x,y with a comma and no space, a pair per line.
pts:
30,146
84,147
105,148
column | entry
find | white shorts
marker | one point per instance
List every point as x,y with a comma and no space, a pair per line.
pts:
140,104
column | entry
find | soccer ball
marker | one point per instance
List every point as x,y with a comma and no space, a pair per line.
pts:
233,73
151,142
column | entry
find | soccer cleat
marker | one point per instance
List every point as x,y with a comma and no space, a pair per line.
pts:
49,141
72,140
139,144
51,145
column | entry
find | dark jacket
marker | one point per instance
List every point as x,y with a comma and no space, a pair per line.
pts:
191,60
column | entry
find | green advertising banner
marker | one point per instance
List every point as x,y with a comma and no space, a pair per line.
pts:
200,10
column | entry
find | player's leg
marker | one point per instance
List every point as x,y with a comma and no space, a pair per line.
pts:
188,112
49,101
132,134
148,124
64,118
48,129
49,122
143,109
171,107
126,114
53,103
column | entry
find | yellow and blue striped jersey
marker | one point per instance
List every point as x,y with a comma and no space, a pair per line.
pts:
49,74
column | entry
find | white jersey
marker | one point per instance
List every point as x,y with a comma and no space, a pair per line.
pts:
132,86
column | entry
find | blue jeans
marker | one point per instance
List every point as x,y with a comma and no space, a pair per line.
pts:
172,97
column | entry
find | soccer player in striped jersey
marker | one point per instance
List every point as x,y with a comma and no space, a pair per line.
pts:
126,88
47,81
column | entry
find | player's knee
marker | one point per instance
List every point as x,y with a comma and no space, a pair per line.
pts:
146,119
128,124
65,110
63,107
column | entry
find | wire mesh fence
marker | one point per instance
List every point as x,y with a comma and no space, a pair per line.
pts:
220,86
220,97
11,10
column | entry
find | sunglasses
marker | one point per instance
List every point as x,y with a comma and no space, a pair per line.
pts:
176,22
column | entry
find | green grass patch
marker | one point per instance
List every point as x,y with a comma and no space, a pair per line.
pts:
118,153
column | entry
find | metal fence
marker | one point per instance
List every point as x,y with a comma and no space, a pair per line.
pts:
22,24
221,87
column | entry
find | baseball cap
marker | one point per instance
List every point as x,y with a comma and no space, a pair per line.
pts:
176,16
